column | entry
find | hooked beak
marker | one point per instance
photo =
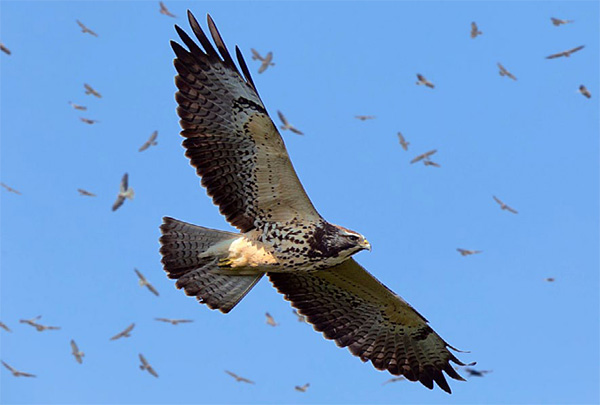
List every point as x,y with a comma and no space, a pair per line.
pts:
366,244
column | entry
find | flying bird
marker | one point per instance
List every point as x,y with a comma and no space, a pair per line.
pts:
174,321
287,125
146,366
301,318
6,328
557,21
238,378
270,320
422,156
504,72
10,189
39,327
240,155
428,162
583,90
144,283
266,61
164,10
504,206
88,121
125,333
124,192
77,106
393,380
465,252
424,81
550,279
78,354
4,49
85,193
15,372
302,388
150,142
364,117
565,53
85,29
476,373
402,141
474,30
90,90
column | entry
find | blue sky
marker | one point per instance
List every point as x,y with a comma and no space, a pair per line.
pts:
531,142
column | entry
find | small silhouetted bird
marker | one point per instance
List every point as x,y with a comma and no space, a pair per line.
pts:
150,142
266,61
78,354
504,72
465,252
174,321
424,81
393,380
402,141
565,53
364,117
238,378
583,90
270,320
146,366
476,373
287,125
164,10
425,155
6,328
85,29
88,121
504,206
302,388
39,327
77,106
145,283
17,373
124,333
4,49
90,90
475,30
10,189
557,21
85,193
124,192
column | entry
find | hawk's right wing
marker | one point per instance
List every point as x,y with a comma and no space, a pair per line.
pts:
231,140
353,308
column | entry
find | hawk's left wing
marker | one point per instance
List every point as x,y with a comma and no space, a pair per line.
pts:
353,308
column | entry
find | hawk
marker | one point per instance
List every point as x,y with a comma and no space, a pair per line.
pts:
565,53
238,152
475,30
78,354
503,72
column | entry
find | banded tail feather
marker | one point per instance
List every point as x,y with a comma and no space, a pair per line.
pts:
186,257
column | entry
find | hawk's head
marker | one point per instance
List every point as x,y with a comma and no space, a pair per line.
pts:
334,241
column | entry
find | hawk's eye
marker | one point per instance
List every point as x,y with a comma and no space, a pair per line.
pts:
353,238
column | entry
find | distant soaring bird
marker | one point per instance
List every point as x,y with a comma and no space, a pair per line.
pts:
364,117
145,283
422,156
150,142
558,21
504,72
146,366
393,380
78,107
424,81
85,29
124,192
266,61
474,30
465,252
428,162
504,206
302,388
39,327
238,378
85,193
565,53
550,279
287,125
583,90
10,189
125,333
173,321
476,373
6,328
402,141
164,10
15,372
270,320
88,121
236,149
78,354
90,90
4,49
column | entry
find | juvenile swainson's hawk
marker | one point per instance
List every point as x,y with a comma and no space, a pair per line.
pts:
124,192
146,366
302,388
16,372
77,106
402,141
10,189
287,125
145,283
90,90
557,21
238,378
474,30
393,380
39,327
85,29
85,193
78,354
150,142
88,120
565,53
270,320
173,321
165,11
422,156
466,252
6,328
364,117
125,333
476,373
503,72
266,61
236,149
583,90
424,81
4,49
504,206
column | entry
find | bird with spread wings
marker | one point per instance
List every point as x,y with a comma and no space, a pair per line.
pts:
238,152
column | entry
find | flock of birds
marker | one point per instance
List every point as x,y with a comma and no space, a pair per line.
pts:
126,192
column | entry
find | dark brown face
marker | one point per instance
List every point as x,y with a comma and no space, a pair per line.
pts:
335,241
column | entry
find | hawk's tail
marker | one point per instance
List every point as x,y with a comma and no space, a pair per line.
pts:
185,258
